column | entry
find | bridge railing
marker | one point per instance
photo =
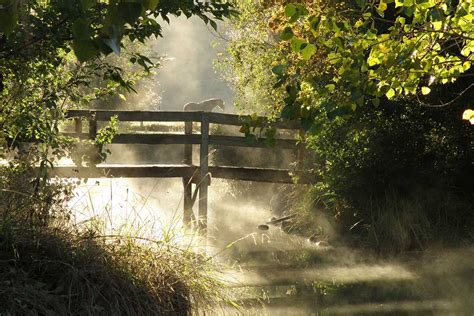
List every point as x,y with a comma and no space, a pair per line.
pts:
199,175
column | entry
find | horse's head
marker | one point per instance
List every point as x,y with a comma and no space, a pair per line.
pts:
215,103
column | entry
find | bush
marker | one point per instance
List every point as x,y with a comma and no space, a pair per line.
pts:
398,175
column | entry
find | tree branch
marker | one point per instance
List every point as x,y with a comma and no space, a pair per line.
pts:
443,104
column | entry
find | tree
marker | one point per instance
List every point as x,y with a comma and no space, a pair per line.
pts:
248,50
381,160
51,53
348,55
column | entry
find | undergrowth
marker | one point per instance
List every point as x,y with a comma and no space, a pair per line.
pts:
50,266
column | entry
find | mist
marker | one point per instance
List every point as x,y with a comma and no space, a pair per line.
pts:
187,73
272,262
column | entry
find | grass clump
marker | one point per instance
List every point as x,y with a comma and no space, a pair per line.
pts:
48,266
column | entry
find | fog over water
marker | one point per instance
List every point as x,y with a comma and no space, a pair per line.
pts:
187,75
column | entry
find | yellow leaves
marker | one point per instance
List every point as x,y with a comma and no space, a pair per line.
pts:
425,90
468,115
390,94
383,48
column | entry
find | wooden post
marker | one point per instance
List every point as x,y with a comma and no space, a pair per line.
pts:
92,125
76,153
77,125
92,135
204,169
301,149
187,185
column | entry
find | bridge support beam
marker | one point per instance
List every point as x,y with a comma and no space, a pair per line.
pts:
204,173
187,183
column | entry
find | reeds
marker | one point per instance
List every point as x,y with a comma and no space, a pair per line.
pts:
51,266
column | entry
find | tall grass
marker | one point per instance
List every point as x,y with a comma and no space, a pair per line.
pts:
49,265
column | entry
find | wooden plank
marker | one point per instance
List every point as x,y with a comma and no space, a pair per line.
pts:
220,140
77,125
125,171
92,126
178,116
203,172
236,120
95,156
188,148
179,171
216,140
300,156
145,116
77,135
187,183
156,139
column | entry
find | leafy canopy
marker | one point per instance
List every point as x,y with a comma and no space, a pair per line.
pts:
53,57
348,55
97,27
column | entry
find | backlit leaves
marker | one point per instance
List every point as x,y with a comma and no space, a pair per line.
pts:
413,50
468,115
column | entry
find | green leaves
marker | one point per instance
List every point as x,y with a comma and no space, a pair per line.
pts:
82,30
298,44
84,50
295,11
8,16
150,4
91,40
286,34
83,45
308,51
130,11
38,77
106,134
378,62
87,4
279,70
314,23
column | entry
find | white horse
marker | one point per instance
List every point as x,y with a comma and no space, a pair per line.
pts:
205,106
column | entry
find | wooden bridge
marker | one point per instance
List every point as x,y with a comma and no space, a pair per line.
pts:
199,174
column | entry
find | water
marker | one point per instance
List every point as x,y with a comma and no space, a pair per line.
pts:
273,273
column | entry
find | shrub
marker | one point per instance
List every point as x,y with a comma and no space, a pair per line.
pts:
397,175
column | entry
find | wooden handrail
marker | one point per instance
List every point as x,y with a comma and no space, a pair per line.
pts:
193,139
179,116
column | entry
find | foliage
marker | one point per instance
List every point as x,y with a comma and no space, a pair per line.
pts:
244,62
52,57
396,176
347,55
393,174
92,151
